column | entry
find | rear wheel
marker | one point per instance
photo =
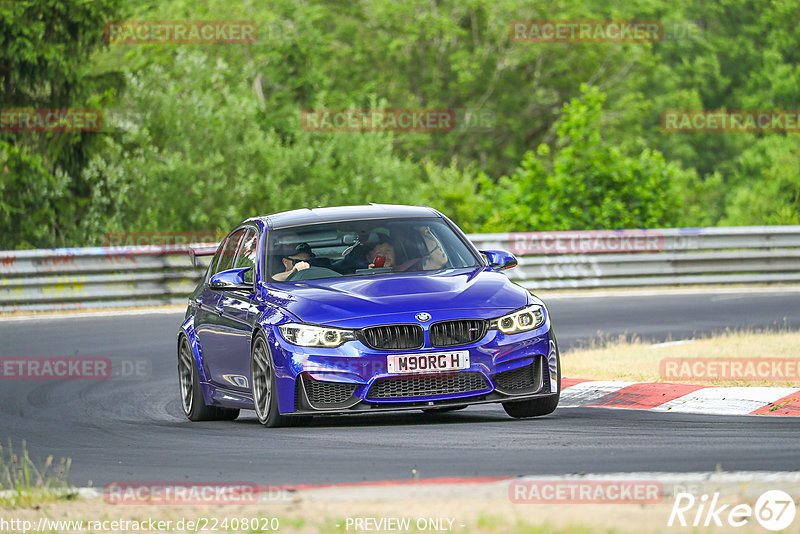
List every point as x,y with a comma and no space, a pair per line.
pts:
541,406
192,402
265,395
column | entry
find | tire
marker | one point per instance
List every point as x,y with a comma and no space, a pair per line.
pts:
541,406
192,402
262,385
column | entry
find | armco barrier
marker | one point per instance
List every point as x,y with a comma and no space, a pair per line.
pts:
630,258
93,277
76,278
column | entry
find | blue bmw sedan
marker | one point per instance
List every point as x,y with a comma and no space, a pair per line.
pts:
361,309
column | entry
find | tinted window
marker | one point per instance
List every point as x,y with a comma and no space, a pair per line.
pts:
246,254
227,257
214,260
359,248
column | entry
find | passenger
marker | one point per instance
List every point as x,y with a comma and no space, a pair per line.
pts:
383,248
294,262
436,258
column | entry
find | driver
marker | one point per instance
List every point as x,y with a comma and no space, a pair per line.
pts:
295,261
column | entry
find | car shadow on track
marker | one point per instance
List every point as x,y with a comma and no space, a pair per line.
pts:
415,418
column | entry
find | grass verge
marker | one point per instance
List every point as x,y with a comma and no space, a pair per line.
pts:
491,512
632,359
23,483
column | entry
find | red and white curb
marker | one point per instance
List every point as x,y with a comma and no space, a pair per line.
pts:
681,398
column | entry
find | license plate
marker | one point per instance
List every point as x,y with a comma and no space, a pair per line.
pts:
430,362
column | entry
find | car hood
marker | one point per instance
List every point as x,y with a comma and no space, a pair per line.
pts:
334,300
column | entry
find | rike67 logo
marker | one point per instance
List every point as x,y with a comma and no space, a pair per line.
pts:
774,510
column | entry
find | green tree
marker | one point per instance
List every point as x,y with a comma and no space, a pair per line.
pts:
46,47
199,136
769,188
203,156
585,183
29,194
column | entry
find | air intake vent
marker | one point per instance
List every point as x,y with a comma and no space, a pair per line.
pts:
327,394
460,332
526,379
428,385
393,337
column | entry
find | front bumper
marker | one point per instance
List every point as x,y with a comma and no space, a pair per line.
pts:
354,378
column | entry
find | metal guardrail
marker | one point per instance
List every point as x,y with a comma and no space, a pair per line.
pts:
75,278
636,258
95,277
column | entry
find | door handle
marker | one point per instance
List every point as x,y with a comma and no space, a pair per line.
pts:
219,309
198,301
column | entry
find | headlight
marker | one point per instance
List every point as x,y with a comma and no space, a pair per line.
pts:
307,335
528,318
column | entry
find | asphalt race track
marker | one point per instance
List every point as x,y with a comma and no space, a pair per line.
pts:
132,429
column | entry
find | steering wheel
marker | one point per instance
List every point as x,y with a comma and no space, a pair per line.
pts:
312,273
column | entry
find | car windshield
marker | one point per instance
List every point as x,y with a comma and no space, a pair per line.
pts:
365,248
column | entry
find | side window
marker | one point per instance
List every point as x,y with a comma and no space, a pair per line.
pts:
213,263
246,255
228,254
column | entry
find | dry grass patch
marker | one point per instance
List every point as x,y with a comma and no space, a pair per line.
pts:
634,360
24,483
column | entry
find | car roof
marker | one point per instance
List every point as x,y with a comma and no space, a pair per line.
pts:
306,216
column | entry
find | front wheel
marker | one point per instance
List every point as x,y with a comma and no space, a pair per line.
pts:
540,406
265,395
532,407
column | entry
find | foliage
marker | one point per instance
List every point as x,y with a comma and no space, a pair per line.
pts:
198,137
28,197
194,156
584,183
24,483
768,188
46,48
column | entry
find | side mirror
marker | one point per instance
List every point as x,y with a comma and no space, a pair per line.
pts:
499,259
232,279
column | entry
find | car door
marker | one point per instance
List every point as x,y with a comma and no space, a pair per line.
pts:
209,309
230,363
